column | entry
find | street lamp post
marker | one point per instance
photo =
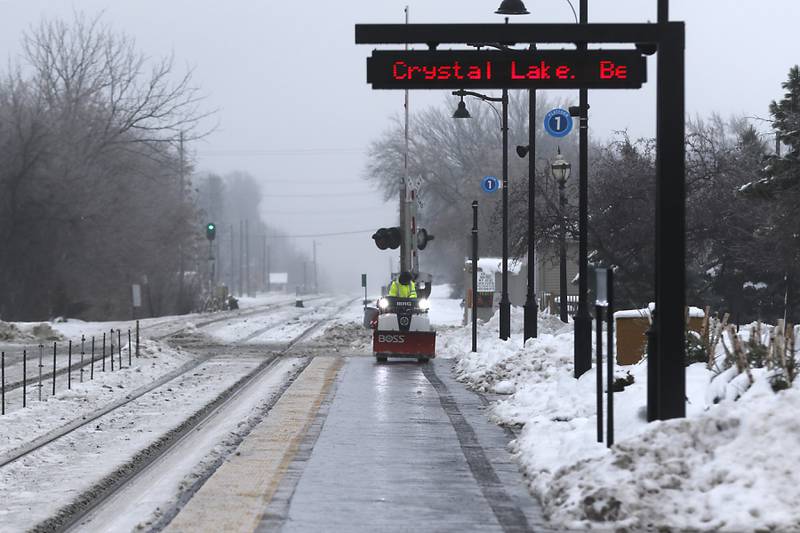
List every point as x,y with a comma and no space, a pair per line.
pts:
531,325
461,112
583,322
561,170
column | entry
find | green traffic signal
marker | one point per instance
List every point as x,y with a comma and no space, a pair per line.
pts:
211,231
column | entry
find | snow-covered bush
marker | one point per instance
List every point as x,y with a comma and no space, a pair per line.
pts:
761,350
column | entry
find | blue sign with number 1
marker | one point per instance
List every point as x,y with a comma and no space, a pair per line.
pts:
558,122
490,184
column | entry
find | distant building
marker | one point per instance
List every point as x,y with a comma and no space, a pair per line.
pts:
278,281
546,277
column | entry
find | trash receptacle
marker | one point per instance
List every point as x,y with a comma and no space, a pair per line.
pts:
631,328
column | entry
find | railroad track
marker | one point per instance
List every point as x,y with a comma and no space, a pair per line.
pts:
77,365
72,514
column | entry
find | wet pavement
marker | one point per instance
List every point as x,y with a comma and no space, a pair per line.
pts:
401,447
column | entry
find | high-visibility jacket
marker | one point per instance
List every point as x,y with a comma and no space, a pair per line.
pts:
403,291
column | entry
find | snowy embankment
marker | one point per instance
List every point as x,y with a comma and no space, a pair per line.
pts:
728,466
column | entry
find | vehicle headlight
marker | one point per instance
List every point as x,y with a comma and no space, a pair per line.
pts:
424,304
383,303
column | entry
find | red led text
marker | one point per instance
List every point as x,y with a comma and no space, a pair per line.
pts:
506,69
610,71
403,71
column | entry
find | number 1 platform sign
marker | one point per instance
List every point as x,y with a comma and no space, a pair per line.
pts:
558,122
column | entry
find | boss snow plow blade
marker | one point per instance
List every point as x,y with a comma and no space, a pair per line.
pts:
417,344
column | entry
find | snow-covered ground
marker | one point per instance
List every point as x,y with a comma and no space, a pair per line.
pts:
99,448
445,310
277,324
60,329
729,466
20,426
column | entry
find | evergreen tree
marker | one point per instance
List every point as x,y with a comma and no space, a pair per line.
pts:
778,190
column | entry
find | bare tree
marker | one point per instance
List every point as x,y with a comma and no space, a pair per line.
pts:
91,177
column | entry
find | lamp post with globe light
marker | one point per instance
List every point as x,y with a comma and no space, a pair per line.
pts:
561,170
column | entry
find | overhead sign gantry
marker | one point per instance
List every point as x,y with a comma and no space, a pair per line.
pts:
575,69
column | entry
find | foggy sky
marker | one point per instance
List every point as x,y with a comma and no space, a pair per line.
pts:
295,110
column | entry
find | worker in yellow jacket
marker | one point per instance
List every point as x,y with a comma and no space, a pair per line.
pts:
403,286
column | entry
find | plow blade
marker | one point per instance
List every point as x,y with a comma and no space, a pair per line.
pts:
404,343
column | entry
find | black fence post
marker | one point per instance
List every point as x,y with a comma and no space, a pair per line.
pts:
24,377
69,366
91,370
54,369
104,352
41,355
137,338
83,352
610,350
111,340
599,364
129,348
119,347
3,382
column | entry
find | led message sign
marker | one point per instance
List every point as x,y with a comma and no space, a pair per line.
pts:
499,69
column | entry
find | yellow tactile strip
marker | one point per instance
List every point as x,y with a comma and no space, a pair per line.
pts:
235,497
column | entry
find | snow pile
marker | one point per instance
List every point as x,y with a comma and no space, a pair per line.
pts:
728,466
45,332
731,468
10,332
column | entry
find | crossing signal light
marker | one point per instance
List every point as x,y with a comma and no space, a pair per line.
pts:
388,238
423,238
211,231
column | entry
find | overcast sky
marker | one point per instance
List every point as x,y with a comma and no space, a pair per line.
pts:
296,112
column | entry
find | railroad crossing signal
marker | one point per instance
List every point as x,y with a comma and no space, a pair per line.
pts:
392,237
423,238
388,238
211,231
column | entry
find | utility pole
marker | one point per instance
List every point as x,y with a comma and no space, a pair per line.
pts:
264,282
269,269
316,287
247,257
241,257
231,273
406,259
182,185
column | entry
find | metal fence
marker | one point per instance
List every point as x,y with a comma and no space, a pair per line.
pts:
92,352
551,303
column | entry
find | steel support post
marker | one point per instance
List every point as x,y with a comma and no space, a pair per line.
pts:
562,253
670,278
475,276
531,324
505,303
582,356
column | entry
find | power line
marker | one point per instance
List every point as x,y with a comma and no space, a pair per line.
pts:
281,152
321,195
320,234
342,211
312,182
